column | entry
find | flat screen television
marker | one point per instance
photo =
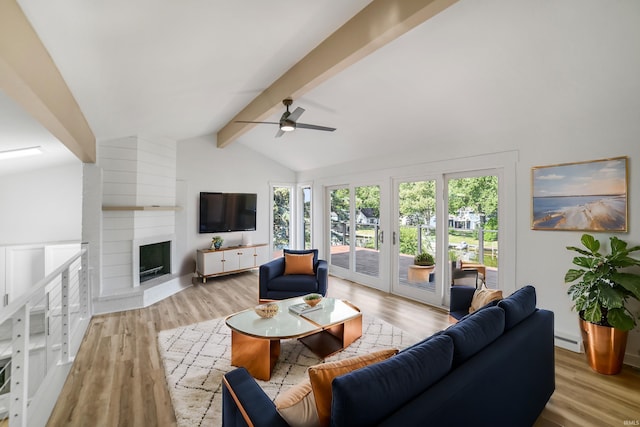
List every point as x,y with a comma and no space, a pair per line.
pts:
220,212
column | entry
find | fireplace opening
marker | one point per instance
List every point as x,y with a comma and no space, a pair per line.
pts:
155,260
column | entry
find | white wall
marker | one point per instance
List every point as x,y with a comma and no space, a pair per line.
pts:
42,205
38,207
204,167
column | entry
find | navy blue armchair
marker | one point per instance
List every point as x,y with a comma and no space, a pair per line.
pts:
275,285
460,301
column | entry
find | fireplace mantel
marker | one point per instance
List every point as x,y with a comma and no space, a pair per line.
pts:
141,208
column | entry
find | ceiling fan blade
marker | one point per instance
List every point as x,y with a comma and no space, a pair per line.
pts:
266,123
295,115
279,133
314,127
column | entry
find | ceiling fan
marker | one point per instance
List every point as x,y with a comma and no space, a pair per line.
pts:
288,121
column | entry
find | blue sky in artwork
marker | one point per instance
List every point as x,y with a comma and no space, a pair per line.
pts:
606,177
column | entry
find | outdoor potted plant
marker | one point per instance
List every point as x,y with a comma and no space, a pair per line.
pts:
423,265
600,296
424,259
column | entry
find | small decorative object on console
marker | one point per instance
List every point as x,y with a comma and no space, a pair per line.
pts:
216,242
266,311
312,299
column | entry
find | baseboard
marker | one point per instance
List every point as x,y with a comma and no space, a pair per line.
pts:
164,290
141,297
47,395
118,302
41,404
568,342
632,360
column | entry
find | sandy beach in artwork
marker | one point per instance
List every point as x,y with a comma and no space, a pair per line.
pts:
606,214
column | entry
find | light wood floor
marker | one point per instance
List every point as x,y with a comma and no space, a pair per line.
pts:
117,378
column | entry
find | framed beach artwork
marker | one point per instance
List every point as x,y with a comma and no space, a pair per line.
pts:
584,196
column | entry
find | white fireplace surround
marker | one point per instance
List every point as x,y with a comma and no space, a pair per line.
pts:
135,250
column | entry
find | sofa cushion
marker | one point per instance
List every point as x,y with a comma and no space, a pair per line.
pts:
298,264
475,333
489,305
323,374
483,296
518,306
368,395
300,282
297,405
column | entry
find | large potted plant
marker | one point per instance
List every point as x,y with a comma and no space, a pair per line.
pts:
600,294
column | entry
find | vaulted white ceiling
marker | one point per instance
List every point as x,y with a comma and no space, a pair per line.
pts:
184,69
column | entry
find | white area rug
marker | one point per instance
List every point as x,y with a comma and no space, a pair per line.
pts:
196,356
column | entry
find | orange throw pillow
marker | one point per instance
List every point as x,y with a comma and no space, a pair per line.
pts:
323,374
298,264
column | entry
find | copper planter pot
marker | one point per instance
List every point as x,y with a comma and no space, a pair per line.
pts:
605,347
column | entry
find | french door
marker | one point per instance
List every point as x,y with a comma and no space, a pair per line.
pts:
355,233
473,230
415,232
460,229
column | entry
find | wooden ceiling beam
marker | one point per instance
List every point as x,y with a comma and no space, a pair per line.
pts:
30,77
381,22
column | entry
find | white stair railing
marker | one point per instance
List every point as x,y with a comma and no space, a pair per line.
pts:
41,333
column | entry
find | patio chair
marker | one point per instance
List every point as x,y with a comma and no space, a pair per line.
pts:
464,276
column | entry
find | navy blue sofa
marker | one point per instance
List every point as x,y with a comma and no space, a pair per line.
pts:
274,285
493,368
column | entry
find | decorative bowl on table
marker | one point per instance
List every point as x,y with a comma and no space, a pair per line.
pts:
312,299
266,311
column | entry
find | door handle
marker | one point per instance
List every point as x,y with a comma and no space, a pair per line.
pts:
381,236
393,239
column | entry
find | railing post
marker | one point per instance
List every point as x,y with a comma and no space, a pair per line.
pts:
481,245
20,368
419,238
376,236
344,233
84,283
66,324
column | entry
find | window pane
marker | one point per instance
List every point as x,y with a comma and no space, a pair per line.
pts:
306,216
367,254
473,225
339,229
281,220
417,226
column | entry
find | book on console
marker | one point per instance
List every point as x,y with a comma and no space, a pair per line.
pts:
303,308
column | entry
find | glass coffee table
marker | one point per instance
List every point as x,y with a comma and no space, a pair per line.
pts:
255,342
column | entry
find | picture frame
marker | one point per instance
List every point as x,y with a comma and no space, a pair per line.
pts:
581,196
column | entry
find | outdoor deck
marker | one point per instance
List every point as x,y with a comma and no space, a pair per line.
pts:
367,262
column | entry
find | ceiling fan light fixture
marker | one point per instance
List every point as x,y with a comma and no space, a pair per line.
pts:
287,126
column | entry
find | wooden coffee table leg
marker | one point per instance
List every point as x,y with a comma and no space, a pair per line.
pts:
257,355
347,332
352,331
335,338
